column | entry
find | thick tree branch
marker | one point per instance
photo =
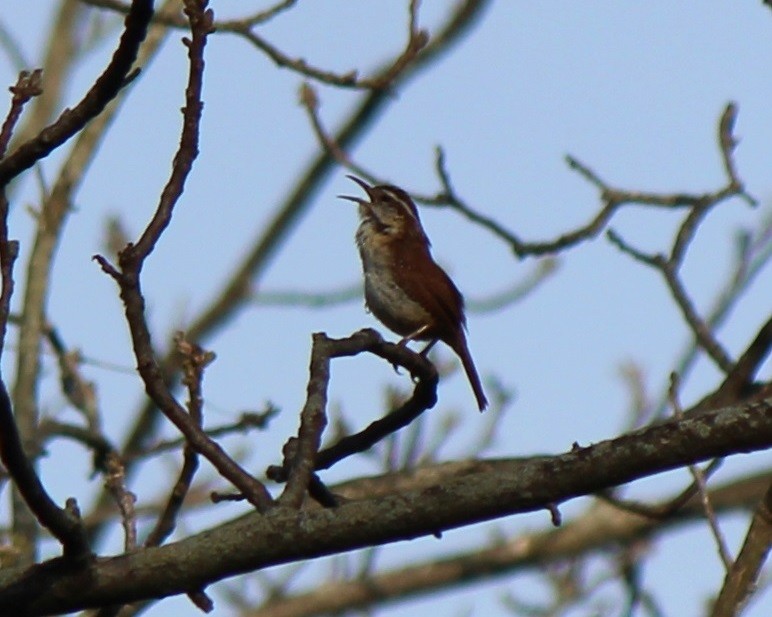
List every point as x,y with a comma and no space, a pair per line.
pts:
600,526
237,291
284,535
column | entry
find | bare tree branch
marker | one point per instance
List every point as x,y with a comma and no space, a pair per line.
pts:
304,457
102,92
27,87
93,110
741,579
63,523
701,484
235,293
132,259
245,28
60,57
195,359
255,541
597,528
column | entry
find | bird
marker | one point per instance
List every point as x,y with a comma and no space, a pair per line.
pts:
404,287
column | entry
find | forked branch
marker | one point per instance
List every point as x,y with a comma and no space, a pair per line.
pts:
132,258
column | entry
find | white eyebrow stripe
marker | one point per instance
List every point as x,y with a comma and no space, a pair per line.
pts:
401,201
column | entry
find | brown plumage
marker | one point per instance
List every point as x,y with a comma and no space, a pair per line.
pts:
404,287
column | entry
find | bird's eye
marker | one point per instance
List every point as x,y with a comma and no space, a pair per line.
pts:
393,205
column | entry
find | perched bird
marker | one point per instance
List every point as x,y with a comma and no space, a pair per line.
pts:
404,287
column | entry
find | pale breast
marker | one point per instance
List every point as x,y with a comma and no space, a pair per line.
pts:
384,296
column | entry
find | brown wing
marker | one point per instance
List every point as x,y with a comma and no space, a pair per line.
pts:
442,299
431,287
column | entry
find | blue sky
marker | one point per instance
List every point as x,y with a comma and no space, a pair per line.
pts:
632,89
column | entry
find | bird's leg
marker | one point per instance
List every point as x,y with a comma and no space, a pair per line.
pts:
413,336
425,351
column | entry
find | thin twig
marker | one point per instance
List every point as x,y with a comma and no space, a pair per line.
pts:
728,143
115,482
612,199
424,397
63,523
27,86
705,337
236,291
78,390
179,22
132,259
752,252
247,421
309,100
245,28
108,462
61,56
194,361
669,267
97,442
106,87
665,510
702,488
742,578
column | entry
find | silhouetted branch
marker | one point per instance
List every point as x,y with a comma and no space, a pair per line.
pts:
663,510
78,390
94,440
27,86
669,267
245,28
63,523
194,360
177,21
106,87
701,484
247,420
424,397
742,578
132,259
236,291
255,541
753,251
613,199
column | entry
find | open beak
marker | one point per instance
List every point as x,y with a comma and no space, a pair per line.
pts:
364,185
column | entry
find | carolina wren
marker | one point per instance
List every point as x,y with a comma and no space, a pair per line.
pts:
404,287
